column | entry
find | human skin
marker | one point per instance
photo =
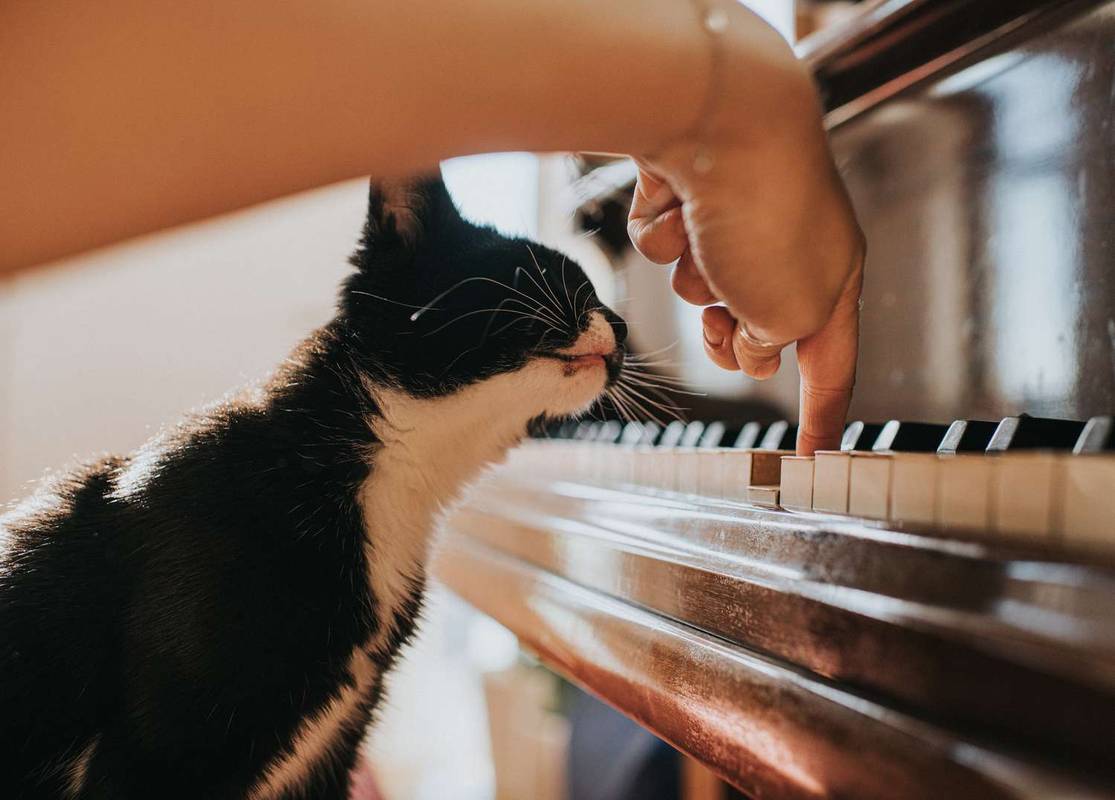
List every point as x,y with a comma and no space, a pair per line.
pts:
121,117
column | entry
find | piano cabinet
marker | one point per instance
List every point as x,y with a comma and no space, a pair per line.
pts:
813,654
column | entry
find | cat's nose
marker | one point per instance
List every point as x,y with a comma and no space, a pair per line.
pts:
619,327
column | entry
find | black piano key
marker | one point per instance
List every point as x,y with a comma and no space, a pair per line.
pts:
780,435
967,436
860,435
671,434
748,436
691,436
609,432
910,437
1035,433
1098,436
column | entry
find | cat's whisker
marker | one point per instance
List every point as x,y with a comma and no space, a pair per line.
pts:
641,409
614,402
658,389
638,369
585,310
459,356
540,308
389,300
650,353
430,306
544,304
664,406
577,294
564,288
671,366
621,405
493,312
487,328
666,388
542,275
631,402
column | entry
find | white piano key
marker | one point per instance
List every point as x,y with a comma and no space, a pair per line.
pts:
1088,505
643,472
745,468
1026,493
627,464
965,491
796,483
656,470
735,474
685,469
830,481
869,485
914,482
766,496
710,473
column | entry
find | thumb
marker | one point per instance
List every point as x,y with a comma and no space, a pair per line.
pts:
655,224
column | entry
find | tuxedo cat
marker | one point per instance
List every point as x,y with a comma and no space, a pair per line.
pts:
212,616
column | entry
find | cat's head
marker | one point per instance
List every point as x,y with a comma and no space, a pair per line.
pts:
439,305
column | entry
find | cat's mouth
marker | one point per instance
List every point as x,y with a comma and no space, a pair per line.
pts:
595,347
610,360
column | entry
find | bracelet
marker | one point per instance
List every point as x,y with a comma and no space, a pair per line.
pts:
714,22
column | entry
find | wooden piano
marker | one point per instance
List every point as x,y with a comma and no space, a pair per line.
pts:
930,611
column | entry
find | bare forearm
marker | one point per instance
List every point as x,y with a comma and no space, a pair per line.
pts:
124,116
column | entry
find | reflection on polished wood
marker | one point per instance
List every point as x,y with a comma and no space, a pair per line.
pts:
987,195
804,658
799,660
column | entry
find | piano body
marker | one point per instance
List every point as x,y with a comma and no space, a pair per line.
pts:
929,612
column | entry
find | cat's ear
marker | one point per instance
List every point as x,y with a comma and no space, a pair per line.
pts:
401,214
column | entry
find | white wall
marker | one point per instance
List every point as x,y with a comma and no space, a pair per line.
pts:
98,351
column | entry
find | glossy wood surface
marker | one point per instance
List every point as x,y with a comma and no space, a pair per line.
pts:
988,198
893,45
768,726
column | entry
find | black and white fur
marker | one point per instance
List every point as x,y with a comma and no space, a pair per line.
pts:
212,616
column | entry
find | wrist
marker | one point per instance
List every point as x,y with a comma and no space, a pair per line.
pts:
763,101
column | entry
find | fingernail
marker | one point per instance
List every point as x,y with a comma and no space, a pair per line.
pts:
713,339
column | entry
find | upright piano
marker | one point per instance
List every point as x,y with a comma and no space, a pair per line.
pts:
930,611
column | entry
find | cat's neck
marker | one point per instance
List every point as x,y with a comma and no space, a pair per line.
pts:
440,443
446,442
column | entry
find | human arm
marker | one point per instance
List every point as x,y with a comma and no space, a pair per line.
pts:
122,117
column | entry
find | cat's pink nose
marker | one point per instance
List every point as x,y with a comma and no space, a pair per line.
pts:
598,340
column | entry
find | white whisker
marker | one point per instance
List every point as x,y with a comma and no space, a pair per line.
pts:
545,283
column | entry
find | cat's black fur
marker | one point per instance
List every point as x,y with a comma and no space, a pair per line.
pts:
169,619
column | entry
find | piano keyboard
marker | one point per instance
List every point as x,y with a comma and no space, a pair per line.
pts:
1024,479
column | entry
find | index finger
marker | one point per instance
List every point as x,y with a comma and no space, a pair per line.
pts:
827,361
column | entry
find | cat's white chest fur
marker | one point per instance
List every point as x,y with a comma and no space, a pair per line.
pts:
430,449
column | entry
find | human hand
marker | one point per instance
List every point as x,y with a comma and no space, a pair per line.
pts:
769,233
